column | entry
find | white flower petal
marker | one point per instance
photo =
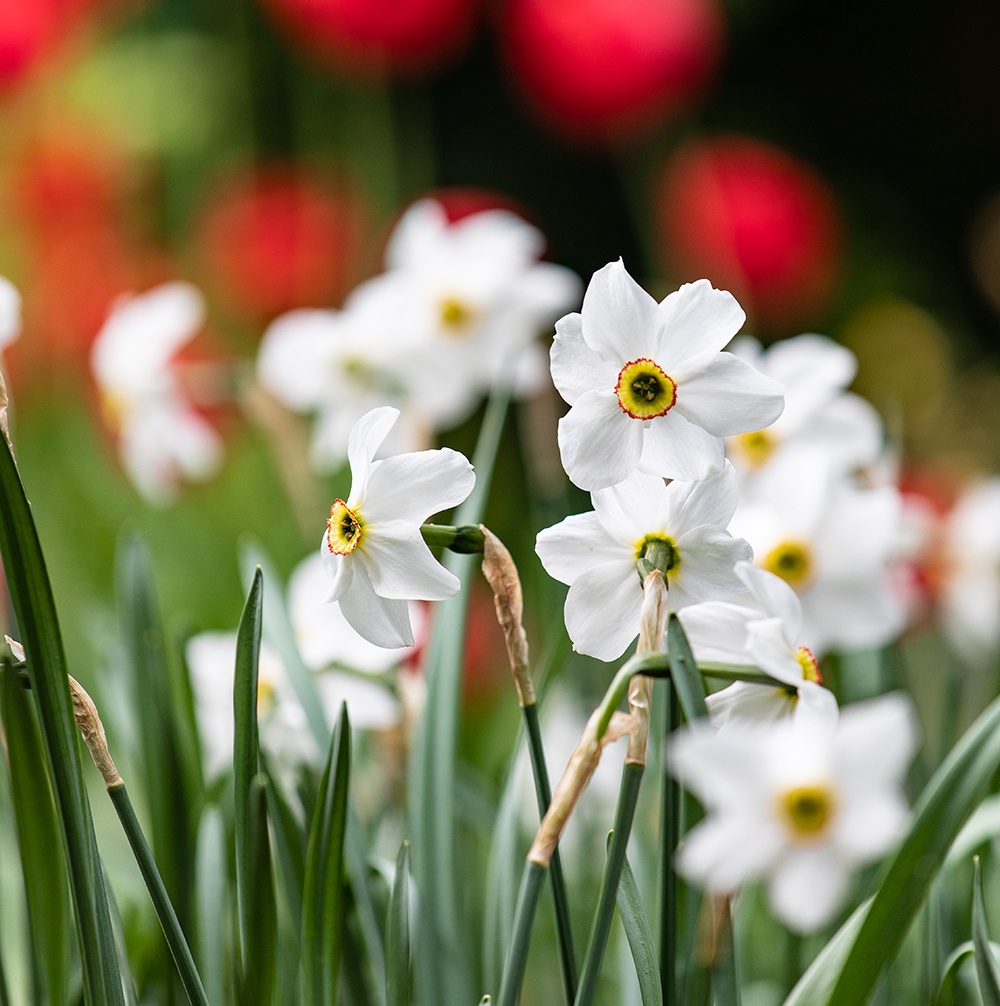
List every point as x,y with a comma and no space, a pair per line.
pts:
696,319
413,487
621,321
707,501
707,557
602,609
775,597
416,234
599,444
399,564
817,708
808,887
769,650
380,620
725,396
717,631
575,545
673,448
875,742
296,357
576,368
10,312
635,507
339,571
743,702
854,615
728,850
370,706
366,438
868,826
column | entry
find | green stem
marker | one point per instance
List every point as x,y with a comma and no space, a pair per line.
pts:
524,919
543,791
670,813
466,539
189,976
627,799
793,960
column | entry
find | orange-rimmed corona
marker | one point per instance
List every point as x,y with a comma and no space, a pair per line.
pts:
644,390
343,529
809,665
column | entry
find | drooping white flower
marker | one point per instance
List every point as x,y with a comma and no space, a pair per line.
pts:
322,362
457,301
832,542
325,638
648,385
284,730
375,556
10,313
161,437
796,804
766,635
597,553
819,412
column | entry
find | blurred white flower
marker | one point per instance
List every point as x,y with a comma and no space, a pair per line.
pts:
374,553
324,636
321,362
767,636
832,542
457,301
284,731
969,572
161,437
10,313
797,803
648,385
819,412
596,553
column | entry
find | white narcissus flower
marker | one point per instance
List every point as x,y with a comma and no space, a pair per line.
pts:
161,437
597,554
819,412
318,361
796,803
832,542
457,301
767,636
10,313
375,555
648,385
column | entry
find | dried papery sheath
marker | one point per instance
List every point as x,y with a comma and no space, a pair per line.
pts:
582,764
653,623
500,571
89,723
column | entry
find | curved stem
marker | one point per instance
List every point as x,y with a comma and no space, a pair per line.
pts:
524,918
466,539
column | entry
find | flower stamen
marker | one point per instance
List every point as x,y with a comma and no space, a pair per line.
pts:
792,561
756,447
644,390
343,529
456,316
806,811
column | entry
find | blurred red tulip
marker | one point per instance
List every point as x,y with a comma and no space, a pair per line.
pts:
369,37
276,239
29,31
461,201
600,68
755,221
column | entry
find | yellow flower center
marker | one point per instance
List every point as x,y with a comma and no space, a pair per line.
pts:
792,561
644,390
660,551
809,665
344,529
806,811
265,697
456,316
756,447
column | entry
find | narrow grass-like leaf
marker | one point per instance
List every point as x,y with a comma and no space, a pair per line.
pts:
640,938
946,993
289,846
210,904
261,910
687,680
162,776
397,934
114,988
524,920
725,975
323,895
945,804
42,863
356,863
128,983
245,748
443,966
34,608
628,796
670,831
986,967
165,912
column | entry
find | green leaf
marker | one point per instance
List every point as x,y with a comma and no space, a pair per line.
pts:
323,896
687,680
443,964
290,846
210,905
982,827
261,910
245,748
128,983
162,775
42,863
397,935
115,990
640,938
946,994
945,804
986,966
38,626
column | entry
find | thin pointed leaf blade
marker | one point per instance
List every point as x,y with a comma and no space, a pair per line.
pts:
946,993
210,892
640,938
261,910
687,679
34,608
397,937
986,968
